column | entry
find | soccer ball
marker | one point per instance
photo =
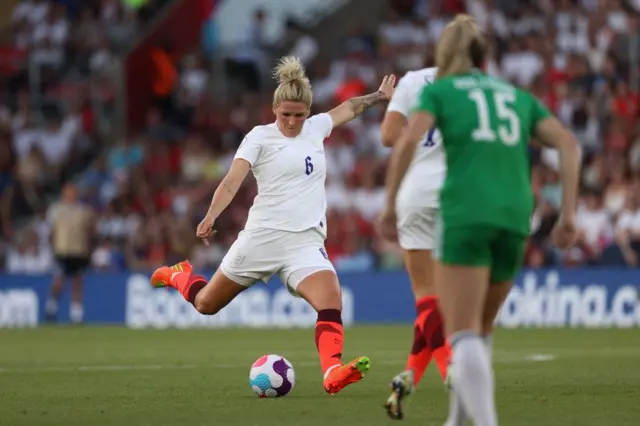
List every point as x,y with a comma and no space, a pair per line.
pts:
272,376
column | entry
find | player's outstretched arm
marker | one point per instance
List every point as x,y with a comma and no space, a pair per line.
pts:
353,107
223,196
399,109
553,134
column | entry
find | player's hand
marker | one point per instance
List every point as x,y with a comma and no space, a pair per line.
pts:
565,233
386,225
205,229
388,86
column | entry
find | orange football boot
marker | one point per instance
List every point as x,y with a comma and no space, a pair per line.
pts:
344,375
162,276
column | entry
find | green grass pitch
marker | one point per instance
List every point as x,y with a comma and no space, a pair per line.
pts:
114,376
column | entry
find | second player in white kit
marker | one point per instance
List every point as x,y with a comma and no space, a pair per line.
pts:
418,196
415,226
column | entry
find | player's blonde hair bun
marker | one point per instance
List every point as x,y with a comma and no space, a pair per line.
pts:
289,69
293,85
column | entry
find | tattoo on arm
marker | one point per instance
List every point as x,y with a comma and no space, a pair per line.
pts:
229,190
361,104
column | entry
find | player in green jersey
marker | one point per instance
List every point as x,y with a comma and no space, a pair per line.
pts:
486,201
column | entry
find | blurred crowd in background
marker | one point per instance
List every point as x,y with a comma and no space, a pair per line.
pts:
145,193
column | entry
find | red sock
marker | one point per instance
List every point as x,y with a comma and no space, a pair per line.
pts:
432,327
188,284
420,355
329,338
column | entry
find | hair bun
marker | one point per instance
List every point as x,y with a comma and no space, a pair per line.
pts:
289,69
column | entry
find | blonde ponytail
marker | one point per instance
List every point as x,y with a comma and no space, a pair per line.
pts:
293,84
461,47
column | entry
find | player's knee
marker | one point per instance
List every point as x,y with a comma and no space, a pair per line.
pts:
206,307
419,264
328,298
321,290
331,300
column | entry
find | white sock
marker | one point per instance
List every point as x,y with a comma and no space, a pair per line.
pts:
51,306
457,415
76,312
473,378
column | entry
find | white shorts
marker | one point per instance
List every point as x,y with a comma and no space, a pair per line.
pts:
258,254
416,227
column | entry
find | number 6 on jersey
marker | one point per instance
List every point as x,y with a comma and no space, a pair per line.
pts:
308,166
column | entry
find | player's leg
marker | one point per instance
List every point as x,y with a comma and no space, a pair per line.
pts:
322,290
241,267
496,295
55,289
416,227
76,310
207,296
462,281
307,272
429,340
508,252
219,292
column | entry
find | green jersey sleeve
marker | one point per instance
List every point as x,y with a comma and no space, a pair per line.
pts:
428,101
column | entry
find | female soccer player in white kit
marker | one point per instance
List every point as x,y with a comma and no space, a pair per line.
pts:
417,205
286,227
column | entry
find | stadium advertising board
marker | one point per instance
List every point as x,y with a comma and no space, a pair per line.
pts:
544,298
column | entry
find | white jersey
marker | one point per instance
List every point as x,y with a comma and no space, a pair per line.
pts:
426,174
290,173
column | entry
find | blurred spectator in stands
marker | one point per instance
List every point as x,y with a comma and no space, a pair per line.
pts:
521,63
617,190
576,56
303,45
72,233
595,230
106,257
193,79
628,230
28,256
634,151
120,23
243,65
33,173
192,86
159,129
7,187
165,79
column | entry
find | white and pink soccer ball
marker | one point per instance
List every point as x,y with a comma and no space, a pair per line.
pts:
272,376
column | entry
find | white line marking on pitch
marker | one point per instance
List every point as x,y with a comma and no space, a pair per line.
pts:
540,357
90,368
159,367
